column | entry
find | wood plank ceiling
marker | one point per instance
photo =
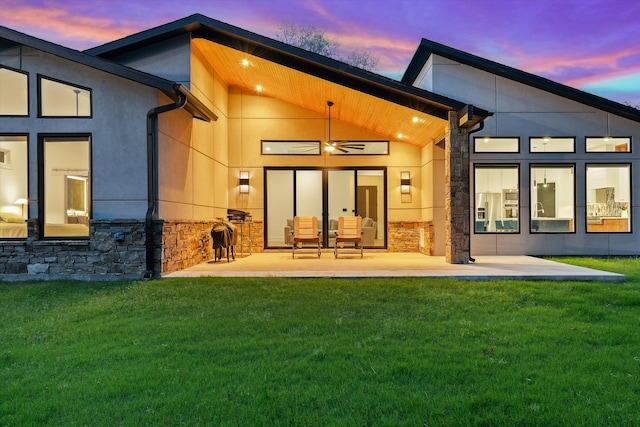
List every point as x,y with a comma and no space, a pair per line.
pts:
386,118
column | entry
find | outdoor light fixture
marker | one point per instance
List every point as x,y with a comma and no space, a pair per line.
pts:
405,182
243,181
21,202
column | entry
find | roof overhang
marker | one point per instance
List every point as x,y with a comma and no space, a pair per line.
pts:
428,48
305,79
169,88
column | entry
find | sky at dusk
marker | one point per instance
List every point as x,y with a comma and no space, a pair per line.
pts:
593,45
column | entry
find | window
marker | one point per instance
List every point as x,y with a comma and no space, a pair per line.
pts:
552,145
608,198
359,147
597,144
552,198
66,186
14,208
487,144
58,99
497,199
300,148
14,93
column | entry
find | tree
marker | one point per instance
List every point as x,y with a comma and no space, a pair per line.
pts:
314,40
308,38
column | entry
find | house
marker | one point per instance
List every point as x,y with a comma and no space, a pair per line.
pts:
115,162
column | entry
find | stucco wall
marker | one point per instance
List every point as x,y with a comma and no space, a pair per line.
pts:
432,187
253,117
193,159
117,129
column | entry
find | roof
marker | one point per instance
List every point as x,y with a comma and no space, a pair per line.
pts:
428,48
305,79
166,86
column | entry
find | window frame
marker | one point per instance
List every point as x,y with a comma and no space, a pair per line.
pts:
629,202
317,150
481,165
41,77
42,137
28,92
476,138
12,166
531,181
629,138
551,138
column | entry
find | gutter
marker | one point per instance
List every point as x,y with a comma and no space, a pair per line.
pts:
478,129
198,111
152,176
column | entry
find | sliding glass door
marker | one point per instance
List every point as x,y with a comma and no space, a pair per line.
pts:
326,194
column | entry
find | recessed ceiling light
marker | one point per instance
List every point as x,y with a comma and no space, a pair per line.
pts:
259,88
415,120
400,136
245,62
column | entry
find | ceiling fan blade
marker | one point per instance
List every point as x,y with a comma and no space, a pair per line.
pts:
341,149
353,146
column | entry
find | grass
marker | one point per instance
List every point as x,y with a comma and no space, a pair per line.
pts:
322,352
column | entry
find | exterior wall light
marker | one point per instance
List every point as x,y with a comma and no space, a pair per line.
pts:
405,182
243,181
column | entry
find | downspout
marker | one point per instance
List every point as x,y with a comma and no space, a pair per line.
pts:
152,177
478,129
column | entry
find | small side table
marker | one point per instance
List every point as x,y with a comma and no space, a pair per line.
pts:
241,225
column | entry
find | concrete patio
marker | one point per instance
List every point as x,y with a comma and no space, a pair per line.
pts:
390,264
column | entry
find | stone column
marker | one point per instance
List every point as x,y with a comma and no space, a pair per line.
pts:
457,207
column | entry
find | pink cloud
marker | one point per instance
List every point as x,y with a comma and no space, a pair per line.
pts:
65,25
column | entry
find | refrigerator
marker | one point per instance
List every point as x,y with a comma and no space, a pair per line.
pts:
488,207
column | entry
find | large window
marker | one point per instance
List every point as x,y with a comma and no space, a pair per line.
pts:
66,186
487,144
606,143
14,93
608,198
14,207
552,198
497,199
59,99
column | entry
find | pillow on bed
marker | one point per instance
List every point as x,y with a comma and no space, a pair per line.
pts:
10,217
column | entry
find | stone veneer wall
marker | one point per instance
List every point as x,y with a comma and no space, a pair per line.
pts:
101,257
457,208
404,236
187,243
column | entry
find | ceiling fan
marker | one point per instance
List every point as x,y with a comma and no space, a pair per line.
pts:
343,145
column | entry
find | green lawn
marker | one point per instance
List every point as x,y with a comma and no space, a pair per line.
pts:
322,352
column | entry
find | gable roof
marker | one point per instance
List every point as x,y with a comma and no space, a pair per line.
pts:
171,89
366,99
428,48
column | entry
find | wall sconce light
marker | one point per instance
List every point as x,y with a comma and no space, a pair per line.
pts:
21,202
405,182
243,181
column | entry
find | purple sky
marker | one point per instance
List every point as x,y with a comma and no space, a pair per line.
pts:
593,45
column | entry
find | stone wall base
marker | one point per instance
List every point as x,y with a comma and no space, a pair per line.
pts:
100,257
410,236
188,243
